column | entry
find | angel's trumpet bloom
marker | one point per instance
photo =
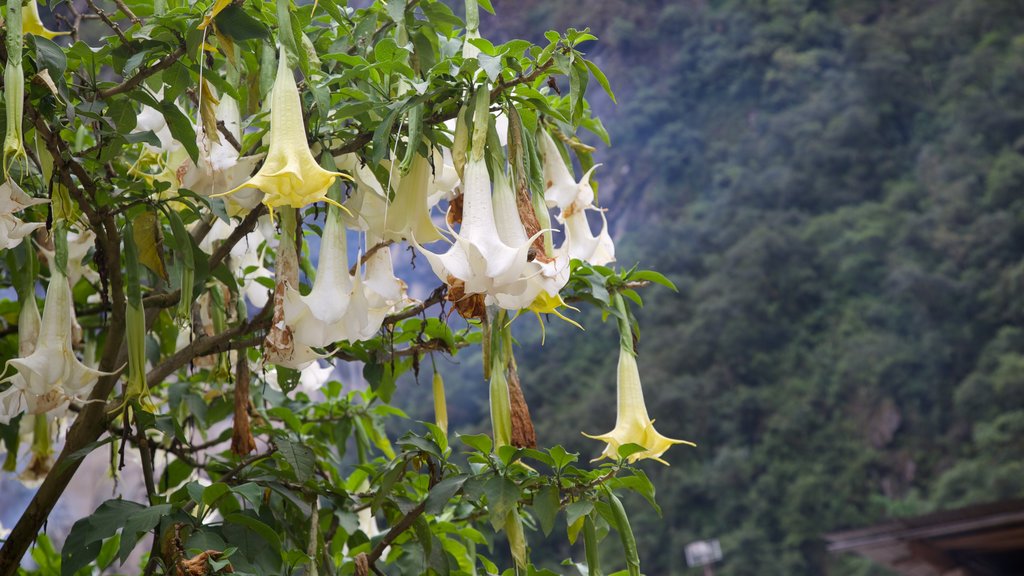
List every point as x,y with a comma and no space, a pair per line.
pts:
445,179
245,259
52,375
543,275
12,400
409,215
581,243
78,247
290,176
573,199
220,167
479,258
335,309
12,229
632,424
562,190
31,23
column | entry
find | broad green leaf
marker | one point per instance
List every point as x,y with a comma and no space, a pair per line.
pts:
235,23
442,493
479,442
138,524
299,457
546,505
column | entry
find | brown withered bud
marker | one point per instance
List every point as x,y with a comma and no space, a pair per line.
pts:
523,434
468,305
242,442
454,215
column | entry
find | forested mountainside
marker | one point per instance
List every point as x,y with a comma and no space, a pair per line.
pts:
838,190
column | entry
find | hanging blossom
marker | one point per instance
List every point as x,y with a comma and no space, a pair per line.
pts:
409,214
13,229
158,163
79,245
31,23
573,199
220,167
245,258
368,208
338,307
479,260
633,425
290,176
543,275
52,375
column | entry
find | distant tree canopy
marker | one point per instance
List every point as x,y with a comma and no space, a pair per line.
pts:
838,190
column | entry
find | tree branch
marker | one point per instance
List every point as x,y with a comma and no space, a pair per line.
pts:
144,73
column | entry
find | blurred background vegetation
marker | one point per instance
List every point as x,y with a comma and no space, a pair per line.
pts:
837,187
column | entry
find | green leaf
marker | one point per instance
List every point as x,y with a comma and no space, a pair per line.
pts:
502,496
213,492
238,25
138,524
148,239
479,442
621,524
545,505
257,526
83,542
486,5
627,450
50,56
421,444
396,10
639,483
601,79
561,457
299,457
443,492
577,510
181,128
652,276
382,133
252,492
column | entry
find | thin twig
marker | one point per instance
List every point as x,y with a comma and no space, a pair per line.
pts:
127,12
144,73
106,20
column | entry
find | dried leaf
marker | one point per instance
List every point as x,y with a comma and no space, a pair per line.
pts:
150,242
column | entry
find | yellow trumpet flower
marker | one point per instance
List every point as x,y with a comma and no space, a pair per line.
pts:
31,23
632,424
290,176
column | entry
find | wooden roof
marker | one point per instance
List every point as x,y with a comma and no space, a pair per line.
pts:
981,540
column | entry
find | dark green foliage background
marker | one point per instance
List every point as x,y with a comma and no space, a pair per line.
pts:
838,190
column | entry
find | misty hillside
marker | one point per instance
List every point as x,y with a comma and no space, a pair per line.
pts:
838,190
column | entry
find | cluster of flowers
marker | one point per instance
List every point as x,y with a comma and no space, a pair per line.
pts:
495,258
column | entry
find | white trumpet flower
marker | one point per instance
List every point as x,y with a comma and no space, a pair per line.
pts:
12,229
445,179
52,374
581,243
479,258
220,168
333,310
542,274
573,199
78,247
561,189
409,214
245,259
